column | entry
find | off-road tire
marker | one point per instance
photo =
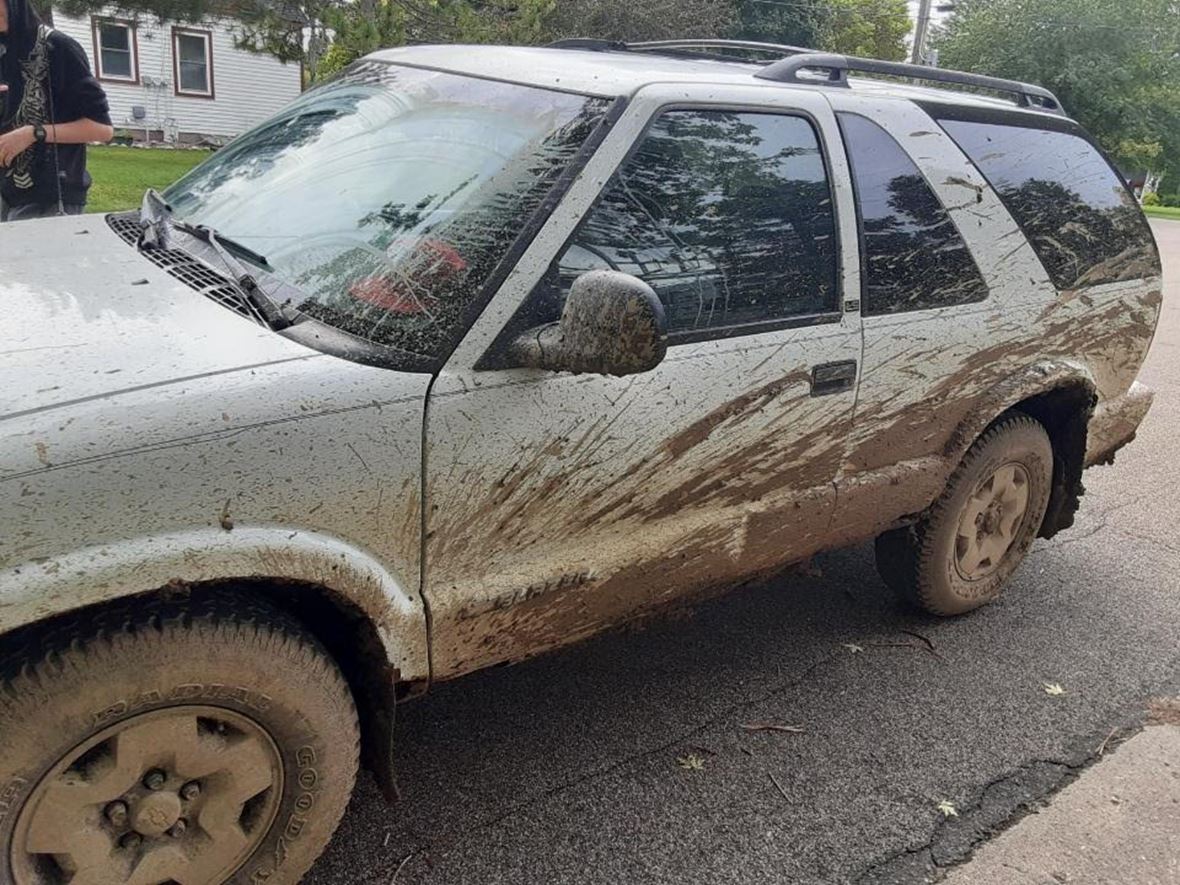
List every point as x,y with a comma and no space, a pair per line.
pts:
919,562
214,650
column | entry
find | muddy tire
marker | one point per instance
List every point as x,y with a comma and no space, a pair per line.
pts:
207,740
961,553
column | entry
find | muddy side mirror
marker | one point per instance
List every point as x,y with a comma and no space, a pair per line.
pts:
612,324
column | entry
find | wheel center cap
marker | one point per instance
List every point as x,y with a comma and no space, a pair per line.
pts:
156,814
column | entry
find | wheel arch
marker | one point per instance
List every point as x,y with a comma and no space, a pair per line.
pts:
340,595
1061,396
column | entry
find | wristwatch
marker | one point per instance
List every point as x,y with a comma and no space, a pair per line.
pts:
39,133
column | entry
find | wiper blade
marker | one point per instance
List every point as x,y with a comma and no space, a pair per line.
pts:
209,235
271,311
154,213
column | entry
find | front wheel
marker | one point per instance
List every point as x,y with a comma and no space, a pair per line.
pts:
962,552
204,741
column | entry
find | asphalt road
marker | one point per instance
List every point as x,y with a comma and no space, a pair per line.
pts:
565,769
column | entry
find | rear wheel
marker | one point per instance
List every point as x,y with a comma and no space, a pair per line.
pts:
962,552
204,741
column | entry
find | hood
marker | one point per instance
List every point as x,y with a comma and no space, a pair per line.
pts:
85,316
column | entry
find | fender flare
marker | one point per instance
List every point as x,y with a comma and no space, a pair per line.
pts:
34,591
1038,390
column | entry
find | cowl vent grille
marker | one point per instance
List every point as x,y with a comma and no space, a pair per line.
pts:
184,267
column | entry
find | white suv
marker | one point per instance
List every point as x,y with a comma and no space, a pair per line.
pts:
476,351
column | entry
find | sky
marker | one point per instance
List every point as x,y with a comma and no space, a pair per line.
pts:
935,16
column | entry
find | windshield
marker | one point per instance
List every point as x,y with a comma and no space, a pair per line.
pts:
388,196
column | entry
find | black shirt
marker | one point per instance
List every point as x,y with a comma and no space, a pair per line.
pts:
73,95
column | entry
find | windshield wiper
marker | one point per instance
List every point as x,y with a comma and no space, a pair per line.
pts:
228,251
154,213
156,223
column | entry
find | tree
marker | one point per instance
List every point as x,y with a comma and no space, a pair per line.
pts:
876,28
1115,66
799,24
873,28
639,19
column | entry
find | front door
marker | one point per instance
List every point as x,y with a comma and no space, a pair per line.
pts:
558,505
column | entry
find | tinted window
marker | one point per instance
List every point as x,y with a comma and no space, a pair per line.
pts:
914,256
727,216
1072,205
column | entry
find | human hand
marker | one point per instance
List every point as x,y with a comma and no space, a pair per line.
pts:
15,143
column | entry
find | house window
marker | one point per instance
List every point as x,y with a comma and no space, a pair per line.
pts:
192,52
115,50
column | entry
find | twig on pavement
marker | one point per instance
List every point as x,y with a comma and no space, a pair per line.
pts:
397,872
774,780
1102,746
771,726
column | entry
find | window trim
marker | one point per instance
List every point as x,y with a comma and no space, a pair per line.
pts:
720,333
863,253
132,29
207,36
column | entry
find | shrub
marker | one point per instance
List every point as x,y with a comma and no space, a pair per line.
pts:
1151,199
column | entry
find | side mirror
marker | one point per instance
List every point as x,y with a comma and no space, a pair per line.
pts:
612,324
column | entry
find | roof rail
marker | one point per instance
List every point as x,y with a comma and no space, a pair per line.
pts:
677,46
837,67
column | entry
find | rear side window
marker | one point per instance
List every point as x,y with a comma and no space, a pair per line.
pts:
727,216
914,257
1070,203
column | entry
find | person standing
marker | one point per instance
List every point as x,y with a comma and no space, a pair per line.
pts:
50,108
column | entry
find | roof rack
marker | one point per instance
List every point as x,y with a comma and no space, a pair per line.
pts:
679,47
801,64
837,68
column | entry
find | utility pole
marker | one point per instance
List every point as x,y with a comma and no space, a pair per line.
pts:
918,55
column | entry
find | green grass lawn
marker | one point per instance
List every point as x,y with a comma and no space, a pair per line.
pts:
1163,211
122,174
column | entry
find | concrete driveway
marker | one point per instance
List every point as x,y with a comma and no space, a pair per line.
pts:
566,769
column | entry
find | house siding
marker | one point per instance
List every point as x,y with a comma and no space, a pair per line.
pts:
248,87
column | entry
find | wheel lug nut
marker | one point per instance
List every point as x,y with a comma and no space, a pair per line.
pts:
116,813
131,840
178,829
154,779
190,791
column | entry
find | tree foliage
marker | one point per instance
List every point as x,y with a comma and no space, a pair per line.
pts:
1115,66
872,28
638,19
801,24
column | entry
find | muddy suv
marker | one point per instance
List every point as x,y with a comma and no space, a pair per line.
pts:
473,352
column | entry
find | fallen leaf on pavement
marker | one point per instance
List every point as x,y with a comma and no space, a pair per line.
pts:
853,647
771,726
1052,688
691,761
947,807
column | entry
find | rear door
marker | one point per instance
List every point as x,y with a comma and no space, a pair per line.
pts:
951,288
560,504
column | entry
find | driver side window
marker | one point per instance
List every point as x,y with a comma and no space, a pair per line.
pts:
727,216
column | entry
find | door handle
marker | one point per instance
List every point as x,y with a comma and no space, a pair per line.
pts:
831,378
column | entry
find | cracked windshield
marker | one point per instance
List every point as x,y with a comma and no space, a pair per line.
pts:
388,196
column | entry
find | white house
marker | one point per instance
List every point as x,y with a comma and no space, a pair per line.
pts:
180,83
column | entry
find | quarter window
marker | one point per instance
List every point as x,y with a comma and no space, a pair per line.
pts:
193,53
1071,204
116,57
727,216
914,257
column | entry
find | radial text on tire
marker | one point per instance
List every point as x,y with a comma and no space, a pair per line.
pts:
205,740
